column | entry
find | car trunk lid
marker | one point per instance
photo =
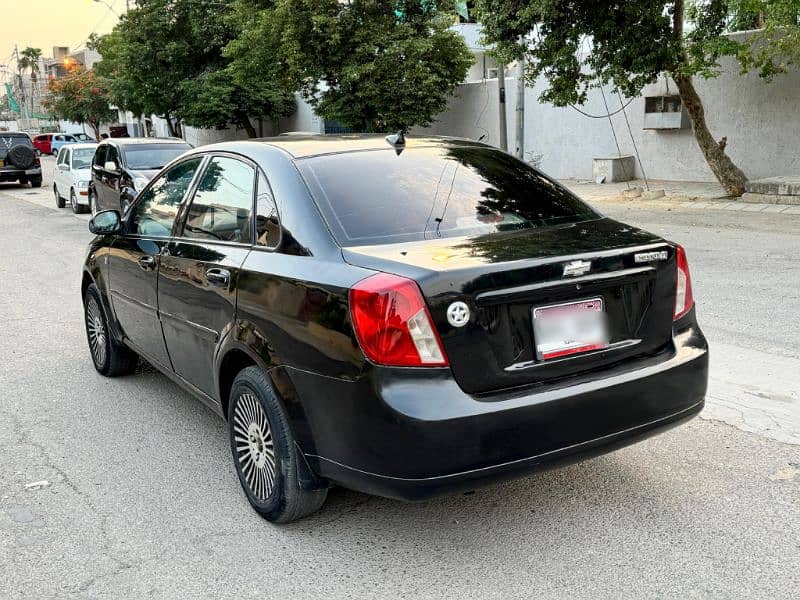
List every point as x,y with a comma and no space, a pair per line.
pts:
504,277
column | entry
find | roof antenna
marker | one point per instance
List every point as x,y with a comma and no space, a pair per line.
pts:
397,140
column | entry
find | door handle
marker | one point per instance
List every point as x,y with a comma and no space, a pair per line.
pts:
147,263
218,277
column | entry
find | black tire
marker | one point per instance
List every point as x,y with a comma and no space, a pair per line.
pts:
109,357
256,424
73,203
23,180
36,182
59,200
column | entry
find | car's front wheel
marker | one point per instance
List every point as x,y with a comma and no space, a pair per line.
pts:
110,358
263,450
59,199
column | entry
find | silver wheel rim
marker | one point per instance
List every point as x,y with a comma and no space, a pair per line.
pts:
55,193
96,330
255,449
73,200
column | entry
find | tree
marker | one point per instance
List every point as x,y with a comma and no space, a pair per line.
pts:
373,65
29,60
632,43
80,97
775,47
165,57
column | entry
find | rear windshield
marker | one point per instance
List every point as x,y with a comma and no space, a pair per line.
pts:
7,140
144,157
380,197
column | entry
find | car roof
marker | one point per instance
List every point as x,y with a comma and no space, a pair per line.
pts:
144,140
304,145
81,146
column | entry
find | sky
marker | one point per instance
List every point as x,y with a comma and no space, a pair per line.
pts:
47,23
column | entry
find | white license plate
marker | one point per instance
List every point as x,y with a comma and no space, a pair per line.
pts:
561,330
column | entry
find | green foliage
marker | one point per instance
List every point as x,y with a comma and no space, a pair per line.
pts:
80,97
577,45
166,57
373,65
29,59
776,46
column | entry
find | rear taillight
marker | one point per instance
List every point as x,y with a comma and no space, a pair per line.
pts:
684,300
392,323
36,161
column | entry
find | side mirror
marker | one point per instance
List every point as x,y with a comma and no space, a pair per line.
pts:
110,166
107,222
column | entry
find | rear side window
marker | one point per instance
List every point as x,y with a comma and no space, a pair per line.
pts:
380,197
223,202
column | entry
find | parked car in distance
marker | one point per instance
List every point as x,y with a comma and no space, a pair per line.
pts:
42,143
18,160
84,138
59,140
123,166
404,318
72,176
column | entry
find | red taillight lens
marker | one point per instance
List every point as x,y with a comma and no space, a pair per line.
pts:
37,162
684,300
392,323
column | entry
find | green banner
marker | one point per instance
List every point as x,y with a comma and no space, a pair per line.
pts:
13,106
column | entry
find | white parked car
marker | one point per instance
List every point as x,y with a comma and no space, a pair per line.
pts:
72,176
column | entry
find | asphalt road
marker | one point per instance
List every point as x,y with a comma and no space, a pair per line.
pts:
142,500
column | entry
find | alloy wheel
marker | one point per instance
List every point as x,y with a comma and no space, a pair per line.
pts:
73,201
255,448
55,193
96,330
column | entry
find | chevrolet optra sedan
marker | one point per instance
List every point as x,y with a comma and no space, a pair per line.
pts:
405,318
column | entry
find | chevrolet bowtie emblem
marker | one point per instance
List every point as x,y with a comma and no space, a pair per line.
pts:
576,268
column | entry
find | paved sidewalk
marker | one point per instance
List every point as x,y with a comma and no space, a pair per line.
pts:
683,194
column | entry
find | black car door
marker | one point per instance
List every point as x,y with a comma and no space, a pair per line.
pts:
199,268
111,179
98,174
134,259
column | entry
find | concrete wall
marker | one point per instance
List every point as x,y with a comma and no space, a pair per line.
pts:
760,120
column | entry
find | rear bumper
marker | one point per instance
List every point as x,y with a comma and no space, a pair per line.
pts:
410,435
15,174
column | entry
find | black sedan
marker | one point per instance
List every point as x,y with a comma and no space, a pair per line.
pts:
123,166
401,317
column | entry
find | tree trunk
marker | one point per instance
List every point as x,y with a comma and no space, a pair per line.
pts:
170,126
95,129
728,174
248,127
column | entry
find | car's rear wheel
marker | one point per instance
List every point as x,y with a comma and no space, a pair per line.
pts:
263,450
59,199
110,358
36,182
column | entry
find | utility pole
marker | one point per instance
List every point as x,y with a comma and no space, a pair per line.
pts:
520,112
501,87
